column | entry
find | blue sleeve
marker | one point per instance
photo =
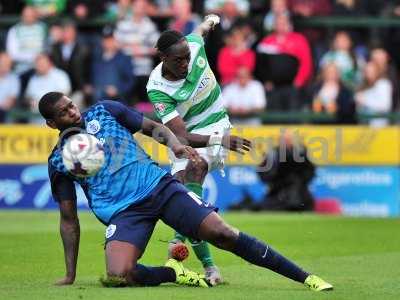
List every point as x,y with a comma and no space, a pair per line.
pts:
62,186
126,116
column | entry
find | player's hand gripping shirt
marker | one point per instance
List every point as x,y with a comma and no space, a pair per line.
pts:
196,99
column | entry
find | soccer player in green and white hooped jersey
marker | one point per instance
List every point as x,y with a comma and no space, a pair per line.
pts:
187,98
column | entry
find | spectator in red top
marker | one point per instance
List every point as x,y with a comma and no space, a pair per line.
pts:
285,41
234,56
284,64
231,12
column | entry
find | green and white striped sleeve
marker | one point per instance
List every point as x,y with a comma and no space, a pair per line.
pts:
195,38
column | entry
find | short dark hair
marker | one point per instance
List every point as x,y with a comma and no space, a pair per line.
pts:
167,39
47,102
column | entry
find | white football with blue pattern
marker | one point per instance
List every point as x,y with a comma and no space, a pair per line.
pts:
83,155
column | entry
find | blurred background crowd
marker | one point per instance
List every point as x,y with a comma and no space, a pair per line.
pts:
266,62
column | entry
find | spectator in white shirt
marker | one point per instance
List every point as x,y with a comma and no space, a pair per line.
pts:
46,79
26,40
9,86
375,96
387,69
137,37
244,98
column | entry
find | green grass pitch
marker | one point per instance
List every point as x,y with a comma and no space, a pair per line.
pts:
359,256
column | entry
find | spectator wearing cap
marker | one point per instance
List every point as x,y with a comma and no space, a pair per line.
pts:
137,37
72,56
112,74
9,86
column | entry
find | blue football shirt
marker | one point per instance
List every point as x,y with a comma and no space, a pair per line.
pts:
128,176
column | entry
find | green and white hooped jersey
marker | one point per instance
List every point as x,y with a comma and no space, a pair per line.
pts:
196,99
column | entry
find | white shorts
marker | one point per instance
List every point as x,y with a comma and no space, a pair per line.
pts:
213,155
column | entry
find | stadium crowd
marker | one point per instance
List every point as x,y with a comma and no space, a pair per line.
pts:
264,63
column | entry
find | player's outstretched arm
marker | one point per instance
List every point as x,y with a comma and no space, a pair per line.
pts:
230,142
165,136
207,25
70,235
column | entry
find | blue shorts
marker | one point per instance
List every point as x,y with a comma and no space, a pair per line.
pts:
170,202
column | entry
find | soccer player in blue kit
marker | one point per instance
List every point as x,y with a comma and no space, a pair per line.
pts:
131,193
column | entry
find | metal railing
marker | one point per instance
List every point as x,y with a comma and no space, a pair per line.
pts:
353,22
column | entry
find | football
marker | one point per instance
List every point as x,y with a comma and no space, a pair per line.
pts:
179,251
83,155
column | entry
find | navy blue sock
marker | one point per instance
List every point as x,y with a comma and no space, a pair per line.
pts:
260,254
153,276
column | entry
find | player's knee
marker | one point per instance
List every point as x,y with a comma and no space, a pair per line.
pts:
196,172
120,271
223,237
